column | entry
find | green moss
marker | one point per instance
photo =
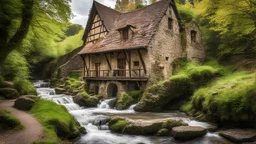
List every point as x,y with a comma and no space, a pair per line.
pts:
85,100
8,122
57,122
230,98
127,99
24,87
190,77
118,126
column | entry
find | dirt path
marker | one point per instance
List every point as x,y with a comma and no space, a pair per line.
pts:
32,131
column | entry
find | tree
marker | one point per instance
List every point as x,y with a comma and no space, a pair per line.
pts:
73,29
19,16
235,25
153,1
121,5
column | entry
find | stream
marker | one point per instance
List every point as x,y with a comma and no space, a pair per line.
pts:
94,121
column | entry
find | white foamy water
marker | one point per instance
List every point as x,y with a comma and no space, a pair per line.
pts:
94,120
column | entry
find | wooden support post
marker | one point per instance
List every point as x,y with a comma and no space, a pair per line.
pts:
109,65
89,57
128,59
130,70
142,61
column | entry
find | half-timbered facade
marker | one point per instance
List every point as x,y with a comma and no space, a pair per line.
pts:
127,51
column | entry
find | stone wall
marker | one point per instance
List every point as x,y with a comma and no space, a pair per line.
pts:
75,63
195,49
164,48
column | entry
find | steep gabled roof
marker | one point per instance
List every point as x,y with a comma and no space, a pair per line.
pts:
146,21
107,14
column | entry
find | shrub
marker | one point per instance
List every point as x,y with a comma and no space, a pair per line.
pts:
24,87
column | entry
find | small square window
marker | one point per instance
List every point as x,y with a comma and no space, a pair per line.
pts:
136,63
167,58
170,23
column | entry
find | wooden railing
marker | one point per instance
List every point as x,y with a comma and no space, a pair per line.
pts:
115,74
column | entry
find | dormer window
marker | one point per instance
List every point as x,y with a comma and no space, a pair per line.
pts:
125,32
193,36
170,23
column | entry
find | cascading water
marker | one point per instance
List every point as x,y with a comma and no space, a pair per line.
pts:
94,120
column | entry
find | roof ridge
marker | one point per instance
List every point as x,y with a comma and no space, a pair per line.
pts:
94,1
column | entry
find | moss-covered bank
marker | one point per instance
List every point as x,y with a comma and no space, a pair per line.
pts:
58,124
181,85
8,122
229,99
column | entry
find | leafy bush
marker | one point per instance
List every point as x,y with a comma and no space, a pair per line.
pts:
56,120
24,87
7,122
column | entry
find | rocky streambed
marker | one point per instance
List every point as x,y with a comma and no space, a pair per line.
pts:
106,125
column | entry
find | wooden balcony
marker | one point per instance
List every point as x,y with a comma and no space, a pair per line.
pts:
120,75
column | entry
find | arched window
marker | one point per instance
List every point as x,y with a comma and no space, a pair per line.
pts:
193,36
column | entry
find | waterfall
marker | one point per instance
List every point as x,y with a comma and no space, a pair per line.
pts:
94,120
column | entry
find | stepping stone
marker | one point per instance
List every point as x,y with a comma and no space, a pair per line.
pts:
188,132
239,135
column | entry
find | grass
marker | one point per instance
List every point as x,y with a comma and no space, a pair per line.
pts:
8,122
70,43
228,98
57,122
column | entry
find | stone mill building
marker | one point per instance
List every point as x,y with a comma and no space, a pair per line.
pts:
128,51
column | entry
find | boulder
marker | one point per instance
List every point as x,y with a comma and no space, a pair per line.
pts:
86,101
239,135
60,90
24,103
188,132
159,127
9,93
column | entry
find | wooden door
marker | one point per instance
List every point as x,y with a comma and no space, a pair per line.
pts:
121,64
97,69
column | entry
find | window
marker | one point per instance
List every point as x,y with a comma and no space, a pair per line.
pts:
136,63
167,58
170,25
125,34
193,36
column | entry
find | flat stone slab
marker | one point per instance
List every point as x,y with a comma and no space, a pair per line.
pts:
239,135
188,132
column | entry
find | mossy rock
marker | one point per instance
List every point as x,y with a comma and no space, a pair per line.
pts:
9,93
118,126
63,130
86,100
164,132
145,127
125,100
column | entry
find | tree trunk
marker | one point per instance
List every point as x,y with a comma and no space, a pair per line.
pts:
8,46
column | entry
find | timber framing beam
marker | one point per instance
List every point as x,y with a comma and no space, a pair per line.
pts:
85,65
128,59
142,61
109,65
